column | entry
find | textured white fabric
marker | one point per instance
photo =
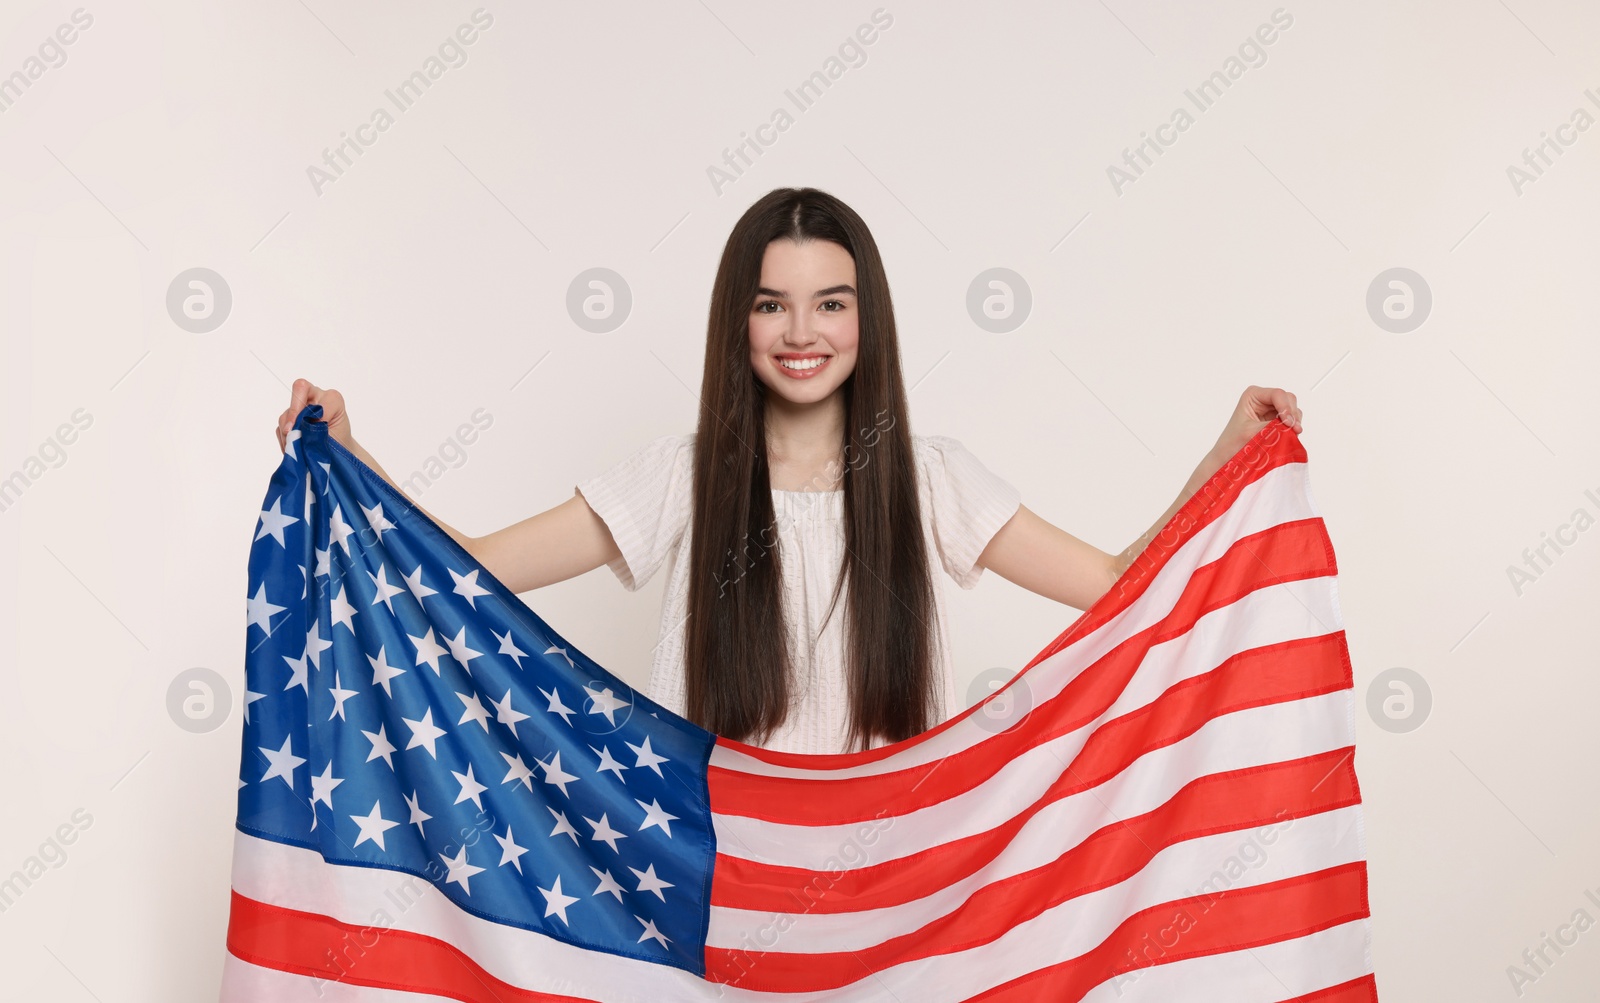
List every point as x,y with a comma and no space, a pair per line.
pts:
645,500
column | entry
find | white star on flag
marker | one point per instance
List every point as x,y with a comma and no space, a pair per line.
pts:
510,852
428,651
604,833
380,746
556,706
475,711
297,674
373,826
415,584
648,882
282,763
376,519
341,609
555,650
339,531
459,650
607,883
461,872
467,586
646,756
384,590
259,611
418,816
470,788
650,931
273,522
557,901
505,715
340,695
606,760
508,647
519,771
322,786
655,815
553,774
605,702
424,733
316,645
382,672
562,825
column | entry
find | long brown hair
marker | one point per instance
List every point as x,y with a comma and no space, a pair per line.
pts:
736,657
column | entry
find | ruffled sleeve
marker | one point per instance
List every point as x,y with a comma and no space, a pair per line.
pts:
970,503
645,501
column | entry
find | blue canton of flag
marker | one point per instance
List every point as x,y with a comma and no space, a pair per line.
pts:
405,711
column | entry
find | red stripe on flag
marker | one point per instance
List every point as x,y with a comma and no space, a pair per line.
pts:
843,801
1245,917
1220,802
1231,920
318,946
1273,446
1362,990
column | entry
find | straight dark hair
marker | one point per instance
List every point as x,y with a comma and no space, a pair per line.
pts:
737,662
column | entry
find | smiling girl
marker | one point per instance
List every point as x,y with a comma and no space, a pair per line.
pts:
801,520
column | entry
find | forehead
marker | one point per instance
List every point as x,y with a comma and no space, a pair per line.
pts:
809,257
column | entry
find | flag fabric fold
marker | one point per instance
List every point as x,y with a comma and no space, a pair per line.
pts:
442,798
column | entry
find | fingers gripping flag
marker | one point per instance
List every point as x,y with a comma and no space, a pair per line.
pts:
442,798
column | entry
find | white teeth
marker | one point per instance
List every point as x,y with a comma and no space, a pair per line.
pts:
802,363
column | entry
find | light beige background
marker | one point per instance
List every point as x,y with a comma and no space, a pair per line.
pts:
430,280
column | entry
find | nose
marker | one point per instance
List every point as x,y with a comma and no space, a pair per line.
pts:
800,336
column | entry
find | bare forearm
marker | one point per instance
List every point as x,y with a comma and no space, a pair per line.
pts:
463,539
1202,473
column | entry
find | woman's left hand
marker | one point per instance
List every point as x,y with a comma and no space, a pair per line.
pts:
1257,407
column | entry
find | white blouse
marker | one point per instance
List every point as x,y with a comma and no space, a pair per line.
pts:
646,499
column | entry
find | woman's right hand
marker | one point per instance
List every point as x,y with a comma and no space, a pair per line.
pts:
333,413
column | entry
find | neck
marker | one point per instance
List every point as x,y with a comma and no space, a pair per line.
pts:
804,436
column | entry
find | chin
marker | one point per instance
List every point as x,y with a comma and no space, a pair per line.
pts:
799,391
809,395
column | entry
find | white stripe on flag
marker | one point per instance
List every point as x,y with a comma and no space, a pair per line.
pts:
1271,733
1264,974
1178,871
243,982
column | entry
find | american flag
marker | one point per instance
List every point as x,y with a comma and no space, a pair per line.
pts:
442,798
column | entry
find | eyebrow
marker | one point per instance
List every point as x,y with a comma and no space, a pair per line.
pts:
830,291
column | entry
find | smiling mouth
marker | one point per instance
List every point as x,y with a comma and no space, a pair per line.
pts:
805,365
804,369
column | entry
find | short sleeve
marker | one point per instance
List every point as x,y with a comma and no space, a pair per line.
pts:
645,501
970,503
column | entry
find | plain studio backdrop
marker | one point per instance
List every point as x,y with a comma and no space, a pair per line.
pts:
1388,209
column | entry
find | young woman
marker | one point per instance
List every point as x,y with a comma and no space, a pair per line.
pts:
801,612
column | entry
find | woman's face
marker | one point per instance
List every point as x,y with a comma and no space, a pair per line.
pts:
805,315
